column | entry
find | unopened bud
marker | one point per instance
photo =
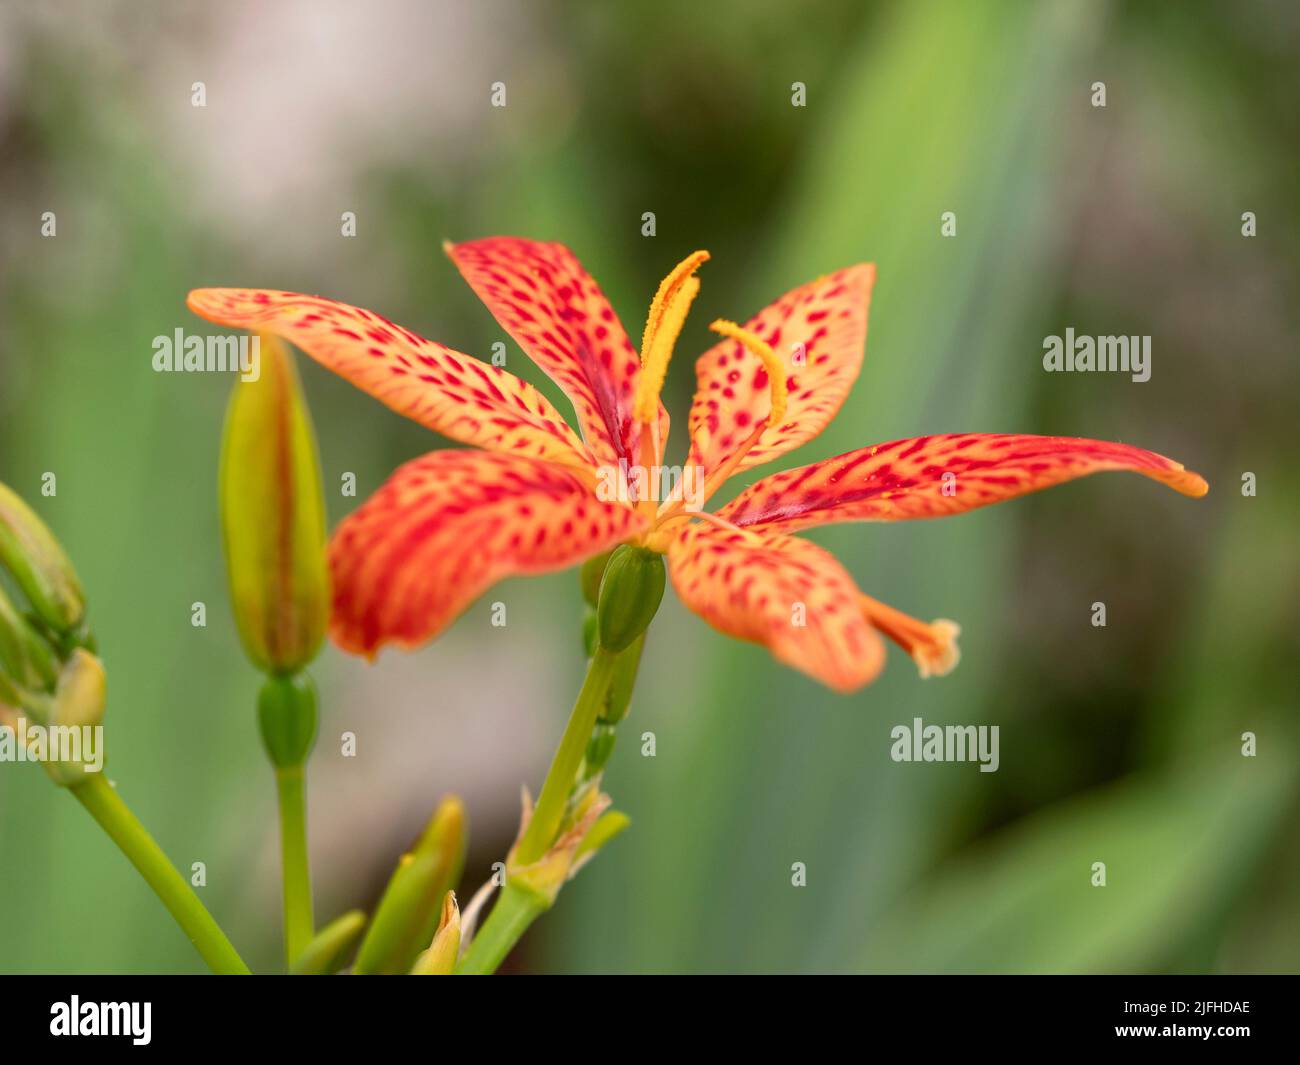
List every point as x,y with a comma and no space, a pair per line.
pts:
599,748
26,661
76,712
630,592
440,958
589,577
39,565
273,517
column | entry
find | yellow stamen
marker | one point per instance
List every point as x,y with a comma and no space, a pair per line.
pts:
779,393
780,396
933,646
771,363
662,326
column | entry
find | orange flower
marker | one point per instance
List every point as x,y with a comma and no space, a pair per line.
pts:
535,497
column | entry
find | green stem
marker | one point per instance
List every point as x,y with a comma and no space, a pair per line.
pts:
299,924
104,804
549,811
515,910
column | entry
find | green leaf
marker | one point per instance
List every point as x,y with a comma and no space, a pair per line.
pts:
328,952
407,915
1177,849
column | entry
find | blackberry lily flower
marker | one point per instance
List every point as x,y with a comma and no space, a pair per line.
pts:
532,496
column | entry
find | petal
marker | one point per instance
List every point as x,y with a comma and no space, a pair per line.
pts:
789,595
934,476
828,317
547,301
456,395
446,526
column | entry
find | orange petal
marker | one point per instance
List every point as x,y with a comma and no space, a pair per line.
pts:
453,394
789,595
547,301
446,526
934,476
820,330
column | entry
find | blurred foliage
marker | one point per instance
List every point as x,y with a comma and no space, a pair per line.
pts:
1118,744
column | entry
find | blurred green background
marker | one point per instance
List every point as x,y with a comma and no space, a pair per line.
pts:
1120,744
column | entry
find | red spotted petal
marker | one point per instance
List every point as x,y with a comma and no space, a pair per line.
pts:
453,394
787,594
544,298
820,329
934,476
446,526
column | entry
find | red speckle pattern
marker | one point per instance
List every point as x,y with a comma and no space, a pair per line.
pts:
749,585
905,478
446,526
458,396
556,312
829,318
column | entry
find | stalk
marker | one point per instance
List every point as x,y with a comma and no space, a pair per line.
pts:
124,828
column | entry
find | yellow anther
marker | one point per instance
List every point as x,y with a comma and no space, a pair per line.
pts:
663,324
771,363
779,396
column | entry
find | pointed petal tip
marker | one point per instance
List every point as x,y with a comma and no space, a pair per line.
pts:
352,643
1191,484
868,273
840,685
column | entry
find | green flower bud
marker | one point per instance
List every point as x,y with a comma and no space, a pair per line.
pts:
286,711
78,704
273,517
25,658
630,592
39,564
592,571
440,958
599,748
